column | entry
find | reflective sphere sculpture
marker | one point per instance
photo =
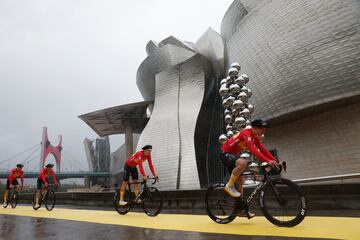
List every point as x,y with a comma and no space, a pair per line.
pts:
230,134
246,112
228,119
234,89
251,108
244,76
240,121
249,93
242,96
226,103
222,138
224,81
224,91
244,89
237,104
235,65
233,73
240,81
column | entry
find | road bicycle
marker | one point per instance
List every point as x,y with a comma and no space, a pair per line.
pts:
281,201
149,198
13,197
47,197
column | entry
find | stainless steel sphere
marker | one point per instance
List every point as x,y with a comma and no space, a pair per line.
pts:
222,138
244,89
226,103
229,80
251,108
249,93
237,104
230,134
235,112
228,119
240,121
235,65
248,123
242,96
227,111
224,91
231,99
229,127
234,89
246,112
233,73
223,82
244,76
240,81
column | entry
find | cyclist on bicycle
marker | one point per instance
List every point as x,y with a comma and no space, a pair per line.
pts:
248,138
46,172
130,168
12,180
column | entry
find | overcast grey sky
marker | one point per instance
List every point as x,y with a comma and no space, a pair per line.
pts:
60,59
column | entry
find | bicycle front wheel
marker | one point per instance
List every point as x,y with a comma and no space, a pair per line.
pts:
152,201
283,202
220,207
50,200
14,199
122,209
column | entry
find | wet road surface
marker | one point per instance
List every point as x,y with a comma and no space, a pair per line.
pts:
25,223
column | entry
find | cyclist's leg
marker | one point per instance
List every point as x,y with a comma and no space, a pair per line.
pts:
239,165
124,184
17,186
7,191
135,177
38,192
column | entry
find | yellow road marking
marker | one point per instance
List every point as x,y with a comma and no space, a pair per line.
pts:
311,227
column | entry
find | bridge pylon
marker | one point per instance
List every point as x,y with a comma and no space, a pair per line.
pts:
47,147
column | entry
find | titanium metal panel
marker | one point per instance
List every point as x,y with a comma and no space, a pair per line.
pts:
162,130
211,45
162,58
299,55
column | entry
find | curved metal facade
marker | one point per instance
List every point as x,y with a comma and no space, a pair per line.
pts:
299,55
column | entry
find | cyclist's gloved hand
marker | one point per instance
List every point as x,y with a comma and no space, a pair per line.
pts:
274,164
157,178
145,177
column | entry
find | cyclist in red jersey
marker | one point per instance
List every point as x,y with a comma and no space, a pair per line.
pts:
12,180
246,139
130,168
46,172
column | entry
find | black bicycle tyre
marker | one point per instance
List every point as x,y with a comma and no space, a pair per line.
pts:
154,192
34,202
301,213
208,205
14,199
122,209
50,200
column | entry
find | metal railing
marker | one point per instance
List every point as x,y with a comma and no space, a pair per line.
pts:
328,178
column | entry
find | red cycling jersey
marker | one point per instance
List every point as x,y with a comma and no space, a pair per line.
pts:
137,159
15,173
46,173
245,139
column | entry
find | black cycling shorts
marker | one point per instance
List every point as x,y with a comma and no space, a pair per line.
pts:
130,170
40,182
14,183
229,159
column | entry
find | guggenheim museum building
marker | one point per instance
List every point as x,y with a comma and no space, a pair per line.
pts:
303,61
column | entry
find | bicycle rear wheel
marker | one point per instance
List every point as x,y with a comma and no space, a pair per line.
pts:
122,209
152,201
283,203
50,200
34,202
220,207
14,199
